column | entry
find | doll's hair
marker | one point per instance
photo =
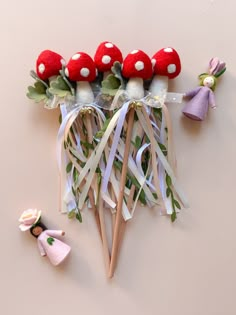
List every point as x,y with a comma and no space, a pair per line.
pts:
203,76
40,224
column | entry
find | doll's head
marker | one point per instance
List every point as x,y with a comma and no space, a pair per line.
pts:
37,229
208,81
215,69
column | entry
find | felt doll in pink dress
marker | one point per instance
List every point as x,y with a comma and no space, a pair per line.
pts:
48,242
203,96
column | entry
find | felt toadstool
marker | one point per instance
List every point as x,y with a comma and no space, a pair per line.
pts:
136,67
166,65
81,68
105,56
48,64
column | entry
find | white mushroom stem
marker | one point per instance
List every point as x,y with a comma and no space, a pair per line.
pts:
135,89
84,93
159,85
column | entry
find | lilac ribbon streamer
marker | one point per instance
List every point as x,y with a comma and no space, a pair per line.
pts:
68,197
119,126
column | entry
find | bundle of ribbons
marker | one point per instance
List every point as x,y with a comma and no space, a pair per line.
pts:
115,143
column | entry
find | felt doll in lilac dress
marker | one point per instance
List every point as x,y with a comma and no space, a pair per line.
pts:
203,96
48,242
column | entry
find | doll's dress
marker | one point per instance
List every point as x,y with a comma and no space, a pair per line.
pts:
197,107
53,248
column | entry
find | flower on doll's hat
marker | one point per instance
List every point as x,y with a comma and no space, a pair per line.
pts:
28,218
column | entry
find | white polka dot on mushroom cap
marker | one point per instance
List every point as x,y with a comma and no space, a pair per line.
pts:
41,68
139,65
84,72
106,59
153,62
75,57
171,68
109,45
168,49
63,62
134,52
67,72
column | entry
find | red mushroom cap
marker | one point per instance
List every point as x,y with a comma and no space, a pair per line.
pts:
166,62
48,64
137,64
106,54
81,67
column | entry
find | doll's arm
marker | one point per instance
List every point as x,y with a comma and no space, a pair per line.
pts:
55,233
193,92
41,249
212,102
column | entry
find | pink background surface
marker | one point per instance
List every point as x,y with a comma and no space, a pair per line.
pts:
187,268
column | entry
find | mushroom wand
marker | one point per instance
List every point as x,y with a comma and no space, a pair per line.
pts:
116,235
136,66
81,68
166,65
105,56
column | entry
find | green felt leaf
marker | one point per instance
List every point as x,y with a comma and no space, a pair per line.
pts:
87,145
98,170
37,92
168,192
163,148
118,165
75,175
73,191
138,142
155,195
59,87
37,78
177,204
50,240
110,85
100,133
173,216
142,198
105,124
99,179
111,82
111,92
79,216
116,69
134,181
158,113
69,167
168,181
69,84
218,74
71,214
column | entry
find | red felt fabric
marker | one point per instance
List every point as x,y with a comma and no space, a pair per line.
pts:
52,63
113,52
84,61
129,70
163,59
